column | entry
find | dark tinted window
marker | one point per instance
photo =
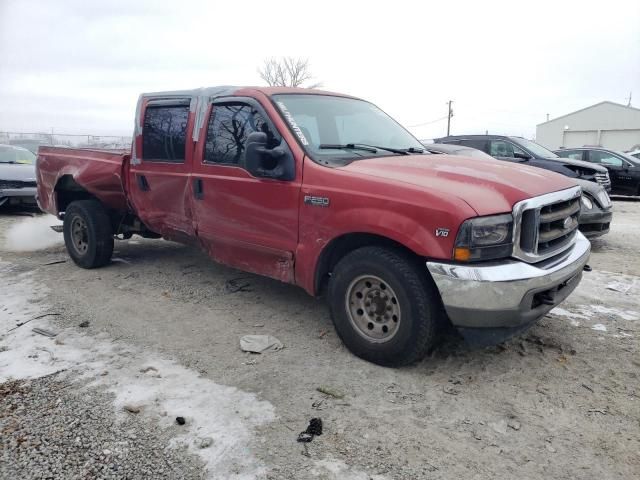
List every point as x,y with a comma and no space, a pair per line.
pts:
164,133
227,132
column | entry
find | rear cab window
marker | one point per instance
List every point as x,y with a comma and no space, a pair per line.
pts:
164,132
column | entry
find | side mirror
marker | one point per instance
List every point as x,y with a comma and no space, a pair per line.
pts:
262,161
522,156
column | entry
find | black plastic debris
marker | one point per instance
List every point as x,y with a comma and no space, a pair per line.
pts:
84,324
180,420
239,284
314,429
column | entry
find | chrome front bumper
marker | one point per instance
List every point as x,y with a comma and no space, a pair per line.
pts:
511,294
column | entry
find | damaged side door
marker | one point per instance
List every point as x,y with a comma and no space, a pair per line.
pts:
246,222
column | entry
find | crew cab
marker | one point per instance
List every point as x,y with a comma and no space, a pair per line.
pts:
327,192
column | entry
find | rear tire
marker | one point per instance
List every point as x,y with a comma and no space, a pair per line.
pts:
88,234
385,308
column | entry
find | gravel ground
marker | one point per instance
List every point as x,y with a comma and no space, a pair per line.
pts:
561,401
53,428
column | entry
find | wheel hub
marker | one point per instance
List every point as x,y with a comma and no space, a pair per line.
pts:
79,235
373,308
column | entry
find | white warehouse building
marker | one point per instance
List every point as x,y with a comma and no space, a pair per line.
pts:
605,124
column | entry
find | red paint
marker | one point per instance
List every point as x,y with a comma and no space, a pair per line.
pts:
263,226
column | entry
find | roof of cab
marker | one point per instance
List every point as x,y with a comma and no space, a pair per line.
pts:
227,90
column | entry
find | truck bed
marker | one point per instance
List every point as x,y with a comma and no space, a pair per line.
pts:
99,172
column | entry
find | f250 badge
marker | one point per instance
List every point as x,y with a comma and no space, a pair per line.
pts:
316,201
442,232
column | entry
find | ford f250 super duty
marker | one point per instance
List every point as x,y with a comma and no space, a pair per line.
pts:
327,192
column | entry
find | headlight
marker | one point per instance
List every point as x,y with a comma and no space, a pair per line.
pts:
603,198
586,202
484,238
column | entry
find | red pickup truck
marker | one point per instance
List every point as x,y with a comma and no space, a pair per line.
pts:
327,192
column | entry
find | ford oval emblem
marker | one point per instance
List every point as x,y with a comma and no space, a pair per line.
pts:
567,223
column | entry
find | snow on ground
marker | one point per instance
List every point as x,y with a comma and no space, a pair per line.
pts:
222,418
162,389
585,305
33,233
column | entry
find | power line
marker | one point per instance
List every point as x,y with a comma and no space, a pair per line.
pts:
428,123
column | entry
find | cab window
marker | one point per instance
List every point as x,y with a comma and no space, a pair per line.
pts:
229,127
164,133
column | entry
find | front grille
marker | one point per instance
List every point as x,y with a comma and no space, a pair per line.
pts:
602,178
13,184
546,225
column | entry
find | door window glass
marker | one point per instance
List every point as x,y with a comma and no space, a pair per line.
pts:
605,158
575,155
227,132
164,133
500,148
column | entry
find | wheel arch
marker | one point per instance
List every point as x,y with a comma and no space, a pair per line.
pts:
67,190
340,246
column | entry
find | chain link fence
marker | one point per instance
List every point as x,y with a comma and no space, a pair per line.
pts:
32,141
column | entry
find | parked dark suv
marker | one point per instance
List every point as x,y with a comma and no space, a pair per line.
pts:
595,216
518,149
624,169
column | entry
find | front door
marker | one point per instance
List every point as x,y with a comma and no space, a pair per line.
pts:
621,181
159,177
243,221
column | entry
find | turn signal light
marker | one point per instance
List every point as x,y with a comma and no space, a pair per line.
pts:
462,254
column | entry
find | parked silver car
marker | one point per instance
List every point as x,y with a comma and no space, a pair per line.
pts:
17,176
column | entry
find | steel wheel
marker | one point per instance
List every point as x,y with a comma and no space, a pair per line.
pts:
79,235
373,308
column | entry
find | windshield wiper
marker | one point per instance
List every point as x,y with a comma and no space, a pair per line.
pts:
414,150
370,148
346,146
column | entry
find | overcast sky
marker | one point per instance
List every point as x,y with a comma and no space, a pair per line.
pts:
78,66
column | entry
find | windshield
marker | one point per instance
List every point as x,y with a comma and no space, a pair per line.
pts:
533,147
16,155
321,121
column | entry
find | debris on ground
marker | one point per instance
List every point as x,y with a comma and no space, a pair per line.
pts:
205,442
42,331
238,285
55,262
313,429
260,343
619,287
84,324
331,392
180,420
132,408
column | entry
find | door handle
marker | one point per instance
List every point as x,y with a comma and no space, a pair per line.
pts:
142,183
198,191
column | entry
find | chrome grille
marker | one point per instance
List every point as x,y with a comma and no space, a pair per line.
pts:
546,225
602,178
11,184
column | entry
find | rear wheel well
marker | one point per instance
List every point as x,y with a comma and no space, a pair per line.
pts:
68,190
341,246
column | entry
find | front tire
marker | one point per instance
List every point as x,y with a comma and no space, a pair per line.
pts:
88,234
385,308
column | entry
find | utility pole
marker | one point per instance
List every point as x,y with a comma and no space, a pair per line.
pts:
629,102
449,117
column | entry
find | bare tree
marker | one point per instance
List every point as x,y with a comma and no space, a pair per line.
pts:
287,72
